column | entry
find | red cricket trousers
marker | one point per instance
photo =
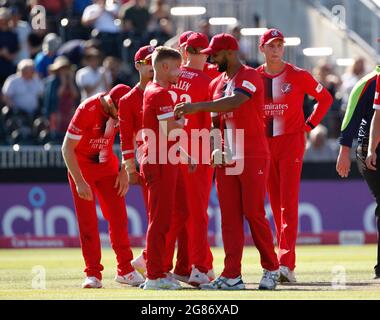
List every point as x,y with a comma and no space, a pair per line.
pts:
283,188
101,178
161,182
244,196
190,222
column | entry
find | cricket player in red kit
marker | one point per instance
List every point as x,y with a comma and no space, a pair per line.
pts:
238,97
190,225
130,118
285,86
93,170
210,69
159,172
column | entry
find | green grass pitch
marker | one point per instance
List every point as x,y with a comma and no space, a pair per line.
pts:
323,272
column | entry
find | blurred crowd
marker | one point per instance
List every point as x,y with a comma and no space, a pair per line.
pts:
88,46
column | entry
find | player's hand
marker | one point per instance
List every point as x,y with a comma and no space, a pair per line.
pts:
182,109
343,165
121,183
84,191
134,178
371,161
219,158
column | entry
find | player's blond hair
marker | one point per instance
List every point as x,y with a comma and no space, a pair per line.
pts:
163,53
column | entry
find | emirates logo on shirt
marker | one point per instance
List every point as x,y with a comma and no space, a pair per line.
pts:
286,88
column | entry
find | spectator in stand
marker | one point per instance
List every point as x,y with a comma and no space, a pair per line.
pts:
79,6
350,79
135,17
34,42
23,90
46,57
160,26
61,96
243,45
8,46
101,16
205,28
23,29
114,73
325,74
319,148
92,78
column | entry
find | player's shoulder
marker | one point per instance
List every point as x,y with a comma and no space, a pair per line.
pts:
134,93
248,73
155,93
297,70
91,104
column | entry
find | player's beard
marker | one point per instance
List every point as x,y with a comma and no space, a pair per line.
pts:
223,66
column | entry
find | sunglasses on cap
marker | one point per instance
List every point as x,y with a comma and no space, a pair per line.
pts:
145,62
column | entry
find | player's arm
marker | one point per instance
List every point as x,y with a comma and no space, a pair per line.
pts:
374,135
324,100
225,104
69,156
357,104
374,139
127,125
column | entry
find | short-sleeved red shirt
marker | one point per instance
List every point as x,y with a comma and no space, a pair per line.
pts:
248,116
158,105
95,129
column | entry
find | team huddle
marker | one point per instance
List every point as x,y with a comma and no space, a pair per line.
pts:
184,123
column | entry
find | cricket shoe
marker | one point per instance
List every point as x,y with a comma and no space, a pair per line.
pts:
223,283
133,279
178,277
170,277
92,283
161,284
197,278
286,275
139,264
269,280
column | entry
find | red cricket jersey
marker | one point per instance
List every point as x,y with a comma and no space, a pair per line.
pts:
95,129
376,103
130,119
211,70
284,97
248,116
158,105
192,87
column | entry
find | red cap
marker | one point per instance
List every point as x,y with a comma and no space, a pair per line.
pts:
197,40
117,92
144,53
270,35
183,38
222,41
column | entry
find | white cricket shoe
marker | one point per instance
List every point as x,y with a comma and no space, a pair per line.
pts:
223,283
92,283
197,278
161,284
170,277
133,279
286,275
139,264
178,277
269,280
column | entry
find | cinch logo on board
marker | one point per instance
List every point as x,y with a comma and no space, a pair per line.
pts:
38,219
